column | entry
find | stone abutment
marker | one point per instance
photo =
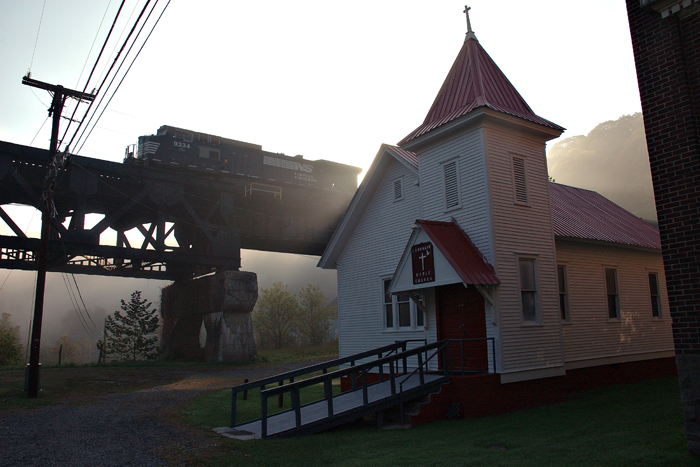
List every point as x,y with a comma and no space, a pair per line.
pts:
223,302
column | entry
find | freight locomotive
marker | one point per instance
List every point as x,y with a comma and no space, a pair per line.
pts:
177,148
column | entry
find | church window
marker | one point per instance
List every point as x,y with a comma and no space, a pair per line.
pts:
655,296
400,313
563,293
612,294
528,290
388,306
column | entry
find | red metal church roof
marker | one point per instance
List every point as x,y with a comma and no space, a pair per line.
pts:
475,81
585,214
464,257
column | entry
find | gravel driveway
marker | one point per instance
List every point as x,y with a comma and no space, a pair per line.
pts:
129,429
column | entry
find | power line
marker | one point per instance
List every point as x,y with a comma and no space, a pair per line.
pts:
37,36
93,46
38,98
104,72
5,281
99,89
75,305
128,69
109,34
83,301
40,128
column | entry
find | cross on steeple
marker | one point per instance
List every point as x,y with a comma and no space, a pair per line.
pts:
470,33
469,24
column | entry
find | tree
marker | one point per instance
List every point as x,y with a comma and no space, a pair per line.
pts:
132,335
77,353
10,344
274,315
313,325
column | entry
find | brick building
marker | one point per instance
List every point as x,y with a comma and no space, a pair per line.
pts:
666,41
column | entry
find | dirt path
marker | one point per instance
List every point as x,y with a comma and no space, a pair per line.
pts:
134,428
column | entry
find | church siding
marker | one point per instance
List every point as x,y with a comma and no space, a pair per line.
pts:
473,215
523,230
589,334
373,252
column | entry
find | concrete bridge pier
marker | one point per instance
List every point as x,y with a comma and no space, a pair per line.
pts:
223,302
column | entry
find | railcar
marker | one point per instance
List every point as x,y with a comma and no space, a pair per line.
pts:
181,149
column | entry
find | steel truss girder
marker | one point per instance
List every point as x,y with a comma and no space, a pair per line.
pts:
208,214
18,253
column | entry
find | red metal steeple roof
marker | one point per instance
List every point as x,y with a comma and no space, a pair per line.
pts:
475,81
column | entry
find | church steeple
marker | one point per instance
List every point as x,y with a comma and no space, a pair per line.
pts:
475,81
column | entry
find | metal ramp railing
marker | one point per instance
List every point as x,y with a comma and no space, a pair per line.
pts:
380,383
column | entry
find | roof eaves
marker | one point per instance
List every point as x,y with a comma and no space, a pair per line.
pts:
611,243
407,158
415,140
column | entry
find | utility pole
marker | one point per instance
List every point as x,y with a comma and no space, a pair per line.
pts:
103,350
60,94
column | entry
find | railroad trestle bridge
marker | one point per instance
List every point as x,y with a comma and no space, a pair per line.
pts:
165,223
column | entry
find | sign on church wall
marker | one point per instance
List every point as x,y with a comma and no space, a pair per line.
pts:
423,263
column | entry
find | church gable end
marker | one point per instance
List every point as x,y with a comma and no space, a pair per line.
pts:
370,256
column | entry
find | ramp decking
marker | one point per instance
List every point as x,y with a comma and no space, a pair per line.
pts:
347,406
379,379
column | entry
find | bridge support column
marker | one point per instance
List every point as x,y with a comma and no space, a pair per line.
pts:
223,302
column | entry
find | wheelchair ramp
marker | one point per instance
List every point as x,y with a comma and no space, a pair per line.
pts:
347,407
378,379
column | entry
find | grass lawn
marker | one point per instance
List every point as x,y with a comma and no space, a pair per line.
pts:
79,383
295,354
630,425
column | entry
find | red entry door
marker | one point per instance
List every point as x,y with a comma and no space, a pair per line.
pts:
461,315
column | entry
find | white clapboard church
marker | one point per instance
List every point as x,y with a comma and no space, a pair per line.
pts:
457,233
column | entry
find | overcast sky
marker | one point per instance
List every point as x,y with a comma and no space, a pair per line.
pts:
326,79
330,80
